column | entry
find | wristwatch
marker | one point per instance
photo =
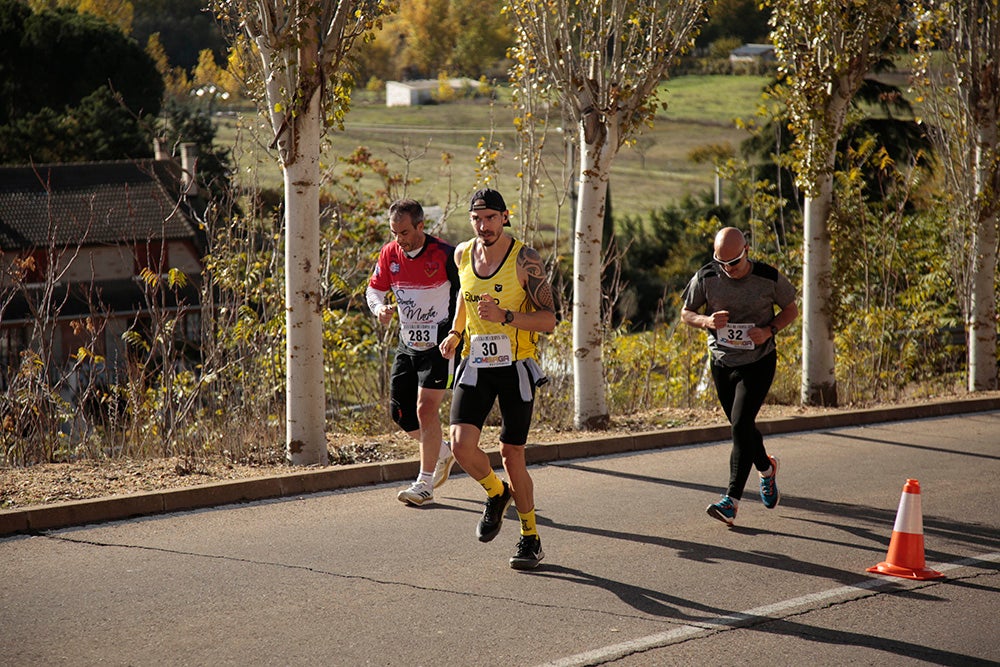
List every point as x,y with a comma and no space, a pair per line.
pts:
774,330
508,317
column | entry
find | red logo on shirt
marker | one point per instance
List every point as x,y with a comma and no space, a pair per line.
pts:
430,268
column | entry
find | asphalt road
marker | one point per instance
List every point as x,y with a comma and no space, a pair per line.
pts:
636,573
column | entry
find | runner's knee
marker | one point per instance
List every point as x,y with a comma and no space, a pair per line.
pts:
405,416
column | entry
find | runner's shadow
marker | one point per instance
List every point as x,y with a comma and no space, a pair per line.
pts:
884,645
709,553
635,477
663,605
645,600
873,524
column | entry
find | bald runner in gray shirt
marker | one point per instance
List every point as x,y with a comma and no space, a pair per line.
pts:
743,304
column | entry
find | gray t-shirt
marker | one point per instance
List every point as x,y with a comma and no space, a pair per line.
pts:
750,300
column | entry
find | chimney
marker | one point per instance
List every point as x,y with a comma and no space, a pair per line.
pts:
189,162
160,149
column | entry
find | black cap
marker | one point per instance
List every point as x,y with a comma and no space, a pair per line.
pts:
491,199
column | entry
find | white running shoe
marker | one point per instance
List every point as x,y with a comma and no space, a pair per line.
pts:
442,469
418,493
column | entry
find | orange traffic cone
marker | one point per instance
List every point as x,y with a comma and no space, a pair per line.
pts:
906,548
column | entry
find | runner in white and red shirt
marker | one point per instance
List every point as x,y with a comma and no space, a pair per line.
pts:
419,270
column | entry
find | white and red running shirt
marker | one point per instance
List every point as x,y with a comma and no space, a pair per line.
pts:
424,286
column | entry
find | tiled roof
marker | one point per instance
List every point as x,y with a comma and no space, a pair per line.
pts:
92,204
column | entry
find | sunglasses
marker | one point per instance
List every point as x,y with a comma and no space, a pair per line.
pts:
734,261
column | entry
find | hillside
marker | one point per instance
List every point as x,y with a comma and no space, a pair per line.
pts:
655,171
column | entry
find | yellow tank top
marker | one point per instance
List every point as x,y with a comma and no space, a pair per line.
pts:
506,289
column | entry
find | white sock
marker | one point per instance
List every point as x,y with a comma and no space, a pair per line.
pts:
768,472
425,477
445,449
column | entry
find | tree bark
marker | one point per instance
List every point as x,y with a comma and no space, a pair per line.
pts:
305,400
819,383
590,401
982,346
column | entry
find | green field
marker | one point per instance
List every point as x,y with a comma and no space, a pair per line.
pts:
655,172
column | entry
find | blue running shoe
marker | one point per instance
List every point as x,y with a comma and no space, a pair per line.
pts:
769,486
724,510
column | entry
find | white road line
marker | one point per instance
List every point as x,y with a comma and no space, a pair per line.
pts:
687,631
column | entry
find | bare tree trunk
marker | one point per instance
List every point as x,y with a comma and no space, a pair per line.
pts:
983,306
819,383
596,154
305,413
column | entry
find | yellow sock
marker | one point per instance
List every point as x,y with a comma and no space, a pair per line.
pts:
528,522
492,483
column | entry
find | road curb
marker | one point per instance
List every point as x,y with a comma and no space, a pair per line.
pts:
114,508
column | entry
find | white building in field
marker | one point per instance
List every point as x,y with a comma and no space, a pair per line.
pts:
421,91
751,54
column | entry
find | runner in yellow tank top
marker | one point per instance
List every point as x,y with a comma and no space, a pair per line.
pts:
504,301
503,287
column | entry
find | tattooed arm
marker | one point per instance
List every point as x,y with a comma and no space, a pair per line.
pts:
531,273
541,315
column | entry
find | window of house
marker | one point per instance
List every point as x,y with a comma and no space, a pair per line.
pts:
13,340
150,255
82,333
192,326
32,267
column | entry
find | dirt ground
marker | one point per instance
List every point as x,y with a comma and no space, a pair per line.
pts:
58,482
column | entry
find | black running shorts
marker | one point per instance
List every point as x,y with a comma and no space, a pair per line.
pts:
472,405
410,371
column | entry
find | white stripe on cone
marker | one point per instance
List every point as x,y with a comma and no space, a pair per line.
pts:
909,517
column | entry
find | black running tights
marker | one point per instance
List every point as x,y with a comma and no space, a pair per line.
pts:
742,391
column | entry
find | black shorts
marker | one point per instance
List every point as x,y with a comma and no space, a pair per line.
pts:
472,405
411,370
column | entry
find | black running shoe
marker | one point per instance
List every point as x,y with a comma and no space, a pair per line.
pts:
529,553
492,519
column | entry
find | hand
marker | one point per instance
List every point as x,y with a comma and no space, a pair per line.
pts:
759,335
718,319
448,345
488,309
385,313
